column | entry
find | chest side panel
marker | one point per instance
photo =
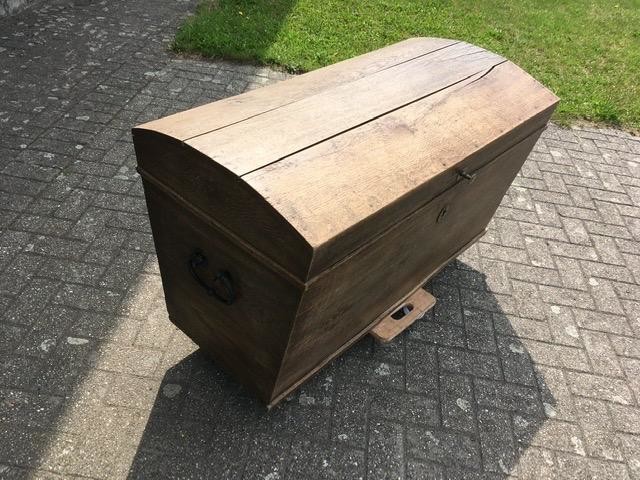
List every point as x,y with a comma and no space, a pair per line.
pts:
248,337
347,299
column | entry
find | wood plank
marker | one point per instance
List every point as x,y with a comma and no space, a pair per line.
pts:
212,116
420,302
341,193
317,118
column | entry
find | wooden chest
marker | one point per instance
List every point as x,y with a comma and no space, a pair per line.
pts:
289,220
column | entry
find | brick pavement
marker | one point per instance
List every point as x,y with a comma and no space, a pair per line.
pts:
529,366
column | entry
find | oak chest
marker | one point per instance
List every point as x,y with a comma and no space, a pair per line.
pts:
289,220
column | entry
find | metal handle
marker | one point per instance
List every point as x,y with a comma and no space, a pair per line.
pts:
467,176
222,278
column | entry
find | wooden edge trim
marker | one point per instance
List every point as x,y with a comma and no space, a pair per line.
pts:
389,328
278,398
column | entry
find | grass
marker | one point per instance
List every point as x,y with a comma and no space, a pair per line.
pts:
587,52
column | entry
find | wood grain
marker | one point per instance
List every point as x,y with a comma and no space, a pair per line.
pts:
225,199
292,386
247,338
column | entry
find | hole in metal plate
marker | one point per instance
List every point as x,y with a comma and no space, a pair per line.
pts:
402,312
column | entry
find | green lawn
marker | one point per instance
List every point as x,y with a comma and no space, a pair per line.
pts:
587,52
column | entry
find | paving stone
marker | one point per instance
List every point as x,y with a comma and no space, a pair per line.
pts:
553,434
516,362
557,401
470,363
443,447
604,388
499,451
556,355
631,449
386,448
603,358
508,396
405,407
578,467
457,402
597,426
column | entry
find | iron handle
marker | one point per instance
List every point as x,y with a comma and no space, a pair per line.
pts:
222,279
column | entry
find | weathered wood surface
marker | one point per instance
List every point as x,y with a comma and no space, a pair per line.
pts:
327,189
419,303
330,196
228,201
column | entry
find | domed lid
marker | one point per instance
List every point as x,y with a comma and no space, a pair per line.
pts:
345,152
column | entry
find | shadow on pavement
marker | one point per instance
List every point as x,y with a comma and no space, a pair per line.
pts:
456,395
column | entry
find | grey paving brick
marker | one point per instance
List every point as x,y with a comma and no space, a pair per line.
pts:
508,396
499,451
631,451
522,327
443,447
129,360
457,402
553,434
603,388
631,369
625,346
556,355
567,297
516,362
386,448
538,252
599,433
578,467
563,325
557,400
528,300
470,363
602,356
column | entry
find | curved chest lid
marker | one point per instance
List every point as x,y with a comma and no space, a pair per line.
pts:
341,153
